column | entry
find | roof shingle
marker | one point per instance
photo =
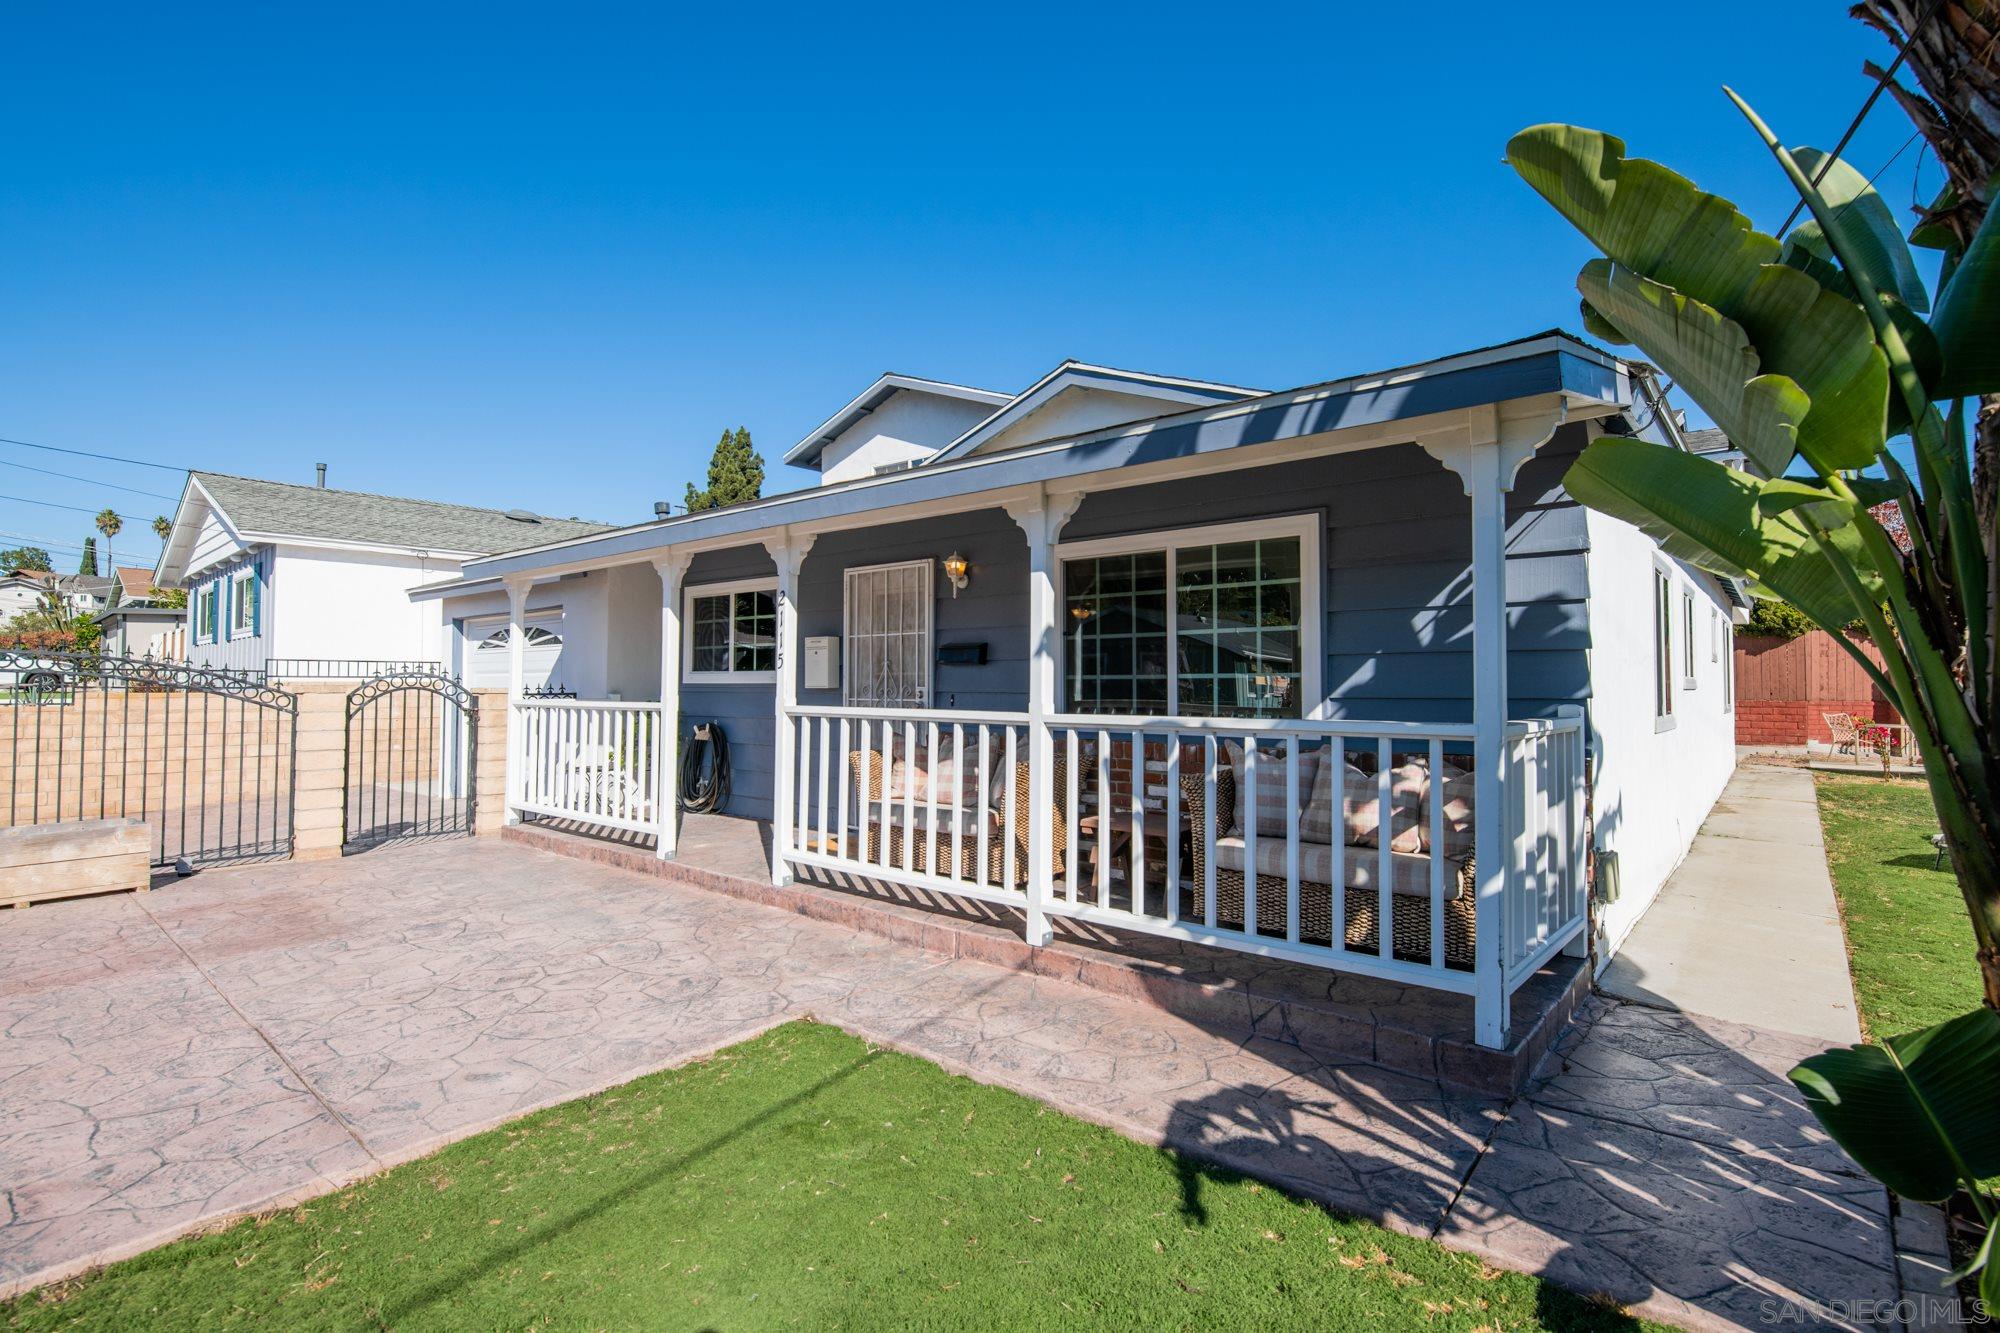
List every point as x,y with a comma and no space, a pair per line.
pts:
278,507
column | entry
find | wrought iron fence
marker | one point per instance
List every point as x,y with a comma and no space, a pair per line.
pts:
347,668
206,758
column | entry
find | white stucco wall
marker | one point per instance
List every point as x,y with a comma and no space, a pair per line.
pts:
1654,786
908,426
325,603
585,664
632,664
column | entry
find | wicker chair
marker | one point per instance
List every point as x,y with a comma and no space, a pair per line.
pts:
870,782
1410,928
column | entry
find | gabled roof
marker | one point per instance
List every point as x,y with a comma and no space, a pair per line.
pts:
1593,382
1172,393
807,451
134,580
258,510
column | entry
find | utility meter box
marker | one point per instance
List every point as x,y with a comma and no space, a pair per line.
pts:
823,662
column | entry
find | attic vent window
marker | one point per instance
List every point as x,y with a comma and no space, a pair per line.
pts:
523,516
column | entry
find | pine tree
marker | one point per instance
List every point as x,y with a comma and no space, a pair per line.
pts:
89,562
735,473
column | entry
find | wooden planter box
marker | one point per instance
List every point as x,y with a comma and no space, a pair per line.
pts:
39,862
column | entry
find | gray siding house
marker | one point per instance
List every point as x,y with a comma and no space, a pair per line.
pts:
1012,639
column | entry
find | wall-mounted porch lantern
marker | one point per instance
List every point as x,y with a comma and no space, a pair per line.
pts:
955,570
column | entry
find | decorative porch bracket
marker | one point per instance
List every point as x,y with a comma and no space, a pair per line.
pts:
1042,518
1487,452
672,568
788,552
517,671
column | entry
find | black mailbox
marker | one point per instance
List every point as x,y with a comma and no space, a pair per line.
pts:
961,654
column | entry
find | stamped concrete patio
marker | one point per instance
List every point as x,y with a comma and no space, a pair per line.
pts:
255,1036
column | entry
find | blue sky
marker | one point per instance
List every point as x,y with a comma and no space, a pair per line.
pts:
543,255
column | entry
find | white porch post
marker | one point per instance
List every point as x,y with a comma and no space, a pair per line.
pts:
1489,743
1042,520
1486,453
517,671
788,552
672,568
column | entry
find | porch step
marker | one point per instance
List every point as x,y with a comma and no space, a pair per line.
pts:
1327,1014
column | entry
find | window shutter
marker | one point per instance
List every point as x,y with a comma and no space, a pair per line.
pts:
222,620
256,600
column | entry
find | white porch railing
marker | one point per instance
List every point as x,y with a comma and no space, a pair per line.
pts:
862,808
597,763
1144,834
1546,891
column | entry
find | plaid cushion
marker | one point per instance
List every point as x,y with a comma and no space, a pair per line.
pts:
1274,817
1409,873
1456,794
1362,809
1316,822
950,774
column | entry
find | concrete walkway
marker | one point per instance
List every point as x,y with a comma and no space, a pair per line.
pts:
258,1036
1747,930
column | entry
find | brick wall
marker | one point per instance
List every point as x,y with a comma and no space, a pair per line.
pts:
1795,721
1785,688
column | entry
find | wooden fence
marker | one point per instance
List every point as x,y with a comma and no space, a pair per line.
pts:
1785,687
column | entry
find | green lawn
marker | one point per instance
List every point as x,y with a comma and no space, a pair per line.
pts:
1907,932
804,1179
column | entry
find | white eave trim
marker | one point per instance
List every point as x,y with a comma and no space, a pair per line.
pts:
868,399
1289,404
1077,374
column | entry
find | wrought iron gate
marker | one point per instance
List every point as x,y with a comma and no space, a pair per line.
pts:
207,758
412,740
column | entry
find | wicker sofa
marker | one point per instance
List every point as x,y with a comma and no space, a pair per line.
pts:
1410,907
866,769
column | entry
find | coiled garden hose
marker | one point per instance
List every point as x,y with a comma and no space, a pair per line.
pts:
705,771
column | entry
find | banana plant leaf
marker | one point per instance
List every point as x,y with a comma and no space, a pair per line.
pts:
1711,516
1967,322
1656,223
1867,229
1708,355
1918,1111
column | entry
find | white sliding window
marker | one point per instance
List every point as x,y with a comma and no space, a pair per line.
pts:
887,615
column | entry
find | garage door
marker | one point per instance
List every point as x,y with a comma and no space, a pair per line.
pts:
486,664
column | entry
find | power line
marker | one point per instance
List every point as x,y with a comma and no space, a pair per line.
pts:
49,504
1874,95
71,476
85,453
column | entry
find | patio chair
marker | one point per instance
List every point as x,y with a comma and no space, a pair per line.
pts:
869,782
1846,733
1410,907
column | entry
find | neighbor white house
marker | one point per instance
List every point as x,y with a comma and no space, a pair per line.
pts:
1012,637
303,580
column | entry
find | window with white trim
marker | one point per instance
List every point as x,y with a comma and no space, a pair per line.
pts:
1725,647
886,614
1663,646
243,602
1687,640
204,612
731,632
1203,622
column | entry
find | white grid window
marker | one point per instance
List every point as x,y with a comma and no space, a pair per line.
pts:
730,631
887,613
